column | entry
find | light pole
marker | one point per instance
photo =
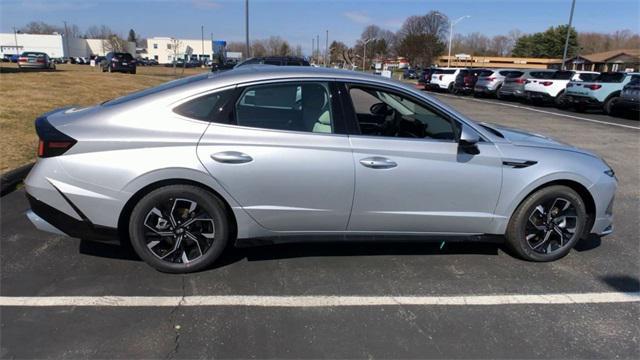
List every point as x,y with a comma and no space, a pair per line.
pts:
246,27
566,42
451,36
66,40
202,35
15,37
364,54
326,49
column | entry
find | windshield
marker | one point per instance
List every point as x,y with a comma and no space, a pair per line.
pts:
562,75
157,89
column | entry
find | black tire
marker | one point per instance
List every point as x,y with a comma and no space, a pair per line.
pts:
609,105
498,96
450,88
561,100
133,72
209,208
522,224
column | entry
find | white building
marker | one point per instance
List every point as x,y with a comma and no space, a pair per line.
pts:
165,49
55,45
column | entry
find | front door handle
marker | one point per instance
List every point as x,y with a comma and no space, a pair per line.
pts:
378,162
231,157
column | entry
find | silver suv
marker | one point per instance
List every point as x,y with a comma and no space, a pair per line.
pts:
513,85
490,81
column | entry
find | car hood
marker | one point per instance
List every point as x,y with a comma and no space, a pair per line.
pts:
524,138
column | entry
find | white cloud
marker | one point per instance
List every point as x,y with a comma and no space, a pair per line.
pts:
358,17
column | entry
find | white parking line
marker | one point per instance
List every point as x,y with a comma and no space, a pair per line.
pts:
319,301
543,111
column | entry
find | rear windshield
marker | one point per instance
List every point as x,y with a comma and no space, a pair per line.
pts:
33,54
542,74
464,72
485,73
562,75
511,73
125,56
588,77
444,71
634,81
610,77
157,89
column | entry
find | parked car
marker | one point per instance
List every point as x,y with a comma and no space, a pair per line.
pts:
268,153
275,60
601,93
35,60
630,97
444,78
553,89
152,62
490,81
466,81
513,85
424,80
409,74
119,62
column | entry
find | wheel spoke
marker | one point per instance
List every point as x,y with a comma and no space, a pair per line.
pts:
557,220
547,235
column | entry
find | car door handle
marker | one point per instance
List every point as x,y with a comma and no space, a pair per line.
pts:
231,157
378,162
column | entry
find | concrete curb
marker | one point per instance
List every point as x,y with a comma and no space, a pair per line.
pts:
12,178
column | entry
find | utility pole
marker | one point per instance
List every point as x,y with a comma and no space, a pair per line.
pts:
246,28
451,36
66,40
202,35
326,48
566,42
15,37
313,48
364,54
318,47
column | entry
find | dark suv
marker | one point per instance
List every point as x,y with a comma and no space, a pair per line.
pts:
119,62
275,60
465,81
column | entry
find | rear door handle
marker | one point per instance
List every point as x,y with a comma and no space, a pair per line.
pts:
231,157
378,162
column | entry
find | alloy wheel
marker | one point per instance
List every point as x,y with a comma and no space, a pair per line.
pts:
551,226
178,230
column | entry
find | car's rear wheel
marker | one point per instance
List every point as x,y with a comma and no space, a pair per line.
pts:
609,105
179,228
561,100
450,88
547,224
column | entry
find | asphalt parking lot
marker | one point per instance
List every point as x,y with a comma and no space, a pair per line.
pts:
340,300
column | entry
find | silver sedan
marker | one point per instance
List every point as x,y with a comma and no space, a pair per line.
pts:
295,153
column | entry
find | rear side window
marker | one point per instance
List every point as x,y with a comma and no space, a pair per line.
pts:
272,62
448,71
205,107
292,106
610,77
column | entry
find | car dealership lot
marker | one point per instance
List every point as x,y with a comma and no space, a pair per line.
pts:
38,266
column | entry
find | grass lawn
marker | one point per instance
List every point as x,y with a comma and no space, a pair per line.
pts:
25,95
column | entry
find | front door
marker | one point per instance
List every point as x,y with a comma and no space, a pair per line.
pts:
411,175
282,159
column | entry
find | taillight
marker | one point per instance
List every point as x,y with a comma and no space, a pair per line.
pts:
52,142
41,61
594,86
546,83
519,81
24,59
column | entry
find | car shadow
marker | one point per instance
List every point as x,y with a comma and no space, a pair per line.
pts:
310,249
622,283
589,243
14,70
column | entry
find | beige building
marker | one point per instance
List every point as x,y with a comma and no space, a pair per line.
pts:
166,49
614,60
499,62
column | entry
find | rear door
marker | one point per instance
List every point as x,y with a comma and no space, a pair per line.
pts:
282,153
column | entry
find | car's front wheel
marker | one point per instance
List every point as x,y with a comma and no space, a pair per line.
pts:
179,228
547,224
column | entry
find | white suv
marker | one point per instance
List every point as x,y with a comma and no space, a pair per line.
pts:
552,87
444,78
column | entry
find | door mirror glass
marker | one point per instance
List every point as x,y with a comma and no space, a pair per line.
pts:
469,139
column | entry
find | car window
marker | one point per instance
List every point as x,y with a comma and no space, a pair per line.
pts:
562,75
541,74
485,73
588,77
290,106
387,114
610,77
511,73
33,54
272,62
204,107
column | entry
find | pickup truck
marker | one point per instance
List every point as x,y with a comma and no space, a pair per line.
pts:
553,88
603,92
444,78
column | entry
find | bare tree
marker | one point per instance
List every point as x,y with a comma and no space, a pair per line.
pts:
176,51
500,46
40,27
115,43
258,48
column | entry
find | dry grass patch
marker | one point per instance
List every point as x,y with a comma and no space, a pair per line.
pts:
25,95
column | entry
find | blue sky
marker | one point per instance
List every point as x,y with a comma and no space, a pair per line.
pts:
299,21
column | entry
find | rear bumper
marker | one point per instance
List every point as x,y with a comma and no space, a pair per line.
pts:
511,92
49,219
583,101
33,66
485,89
536,95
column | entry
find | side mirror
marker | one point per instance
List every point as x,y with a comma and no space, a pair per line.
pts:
469,140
